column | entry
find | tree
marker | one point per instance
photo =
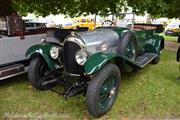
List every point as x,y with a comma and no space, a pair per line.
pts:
157,8
5,7
67,7
173,9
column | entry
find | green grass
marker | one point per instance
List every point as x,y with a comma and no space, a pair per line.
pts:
152,92
170,38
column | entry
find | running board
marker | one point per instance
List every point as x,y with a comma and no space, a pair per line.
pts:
12,70
144,59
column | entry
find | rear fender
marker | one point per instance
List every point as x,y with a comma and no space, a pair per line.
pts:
44,51
155,45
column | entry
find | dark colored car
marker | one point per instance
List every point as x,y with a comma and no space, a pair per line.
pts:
32,25
91,62
173,28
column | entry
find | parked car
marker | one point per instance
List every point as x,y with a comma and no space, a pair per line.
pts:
92,61
13,47
173,28
81,22
33,25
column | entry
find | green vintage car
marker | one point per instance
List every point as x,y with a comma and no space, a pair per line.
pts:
92,61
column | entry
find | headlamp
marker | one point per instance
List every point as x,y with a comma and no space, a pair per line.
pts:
54,52
81,57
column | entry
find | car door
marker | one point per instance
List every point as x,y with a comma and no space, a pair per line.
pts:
141,40
13,48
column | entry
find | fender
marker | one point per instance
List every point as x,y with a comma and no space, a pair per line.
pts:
155,45
43,50
97,61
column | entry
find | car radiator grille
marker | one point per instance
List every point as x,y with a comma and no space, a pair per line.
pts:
70,64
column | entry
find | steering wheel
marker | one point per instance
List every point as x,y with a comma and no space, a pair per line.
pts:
108,23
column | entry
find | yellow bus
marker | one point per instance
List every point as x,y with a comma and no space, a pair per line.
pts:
82,22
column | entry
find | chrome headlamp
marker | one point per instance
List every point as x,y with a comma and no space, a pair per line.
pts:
81,57
54,52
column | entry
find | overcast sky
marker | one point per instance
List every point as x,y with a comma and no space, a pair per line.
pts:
61,19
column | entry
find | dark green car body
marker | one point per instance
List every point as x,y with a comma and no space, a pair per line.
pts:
96,58
148,41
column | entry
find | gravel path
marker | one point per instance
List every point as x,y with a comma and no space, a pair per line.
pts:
172,46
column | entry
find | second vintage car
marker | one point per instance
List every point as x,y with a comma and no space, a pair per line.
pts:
13,44
173,29
92,61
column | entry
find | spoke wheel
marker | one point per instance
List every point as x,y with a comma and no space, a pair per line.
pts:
130,51
128,46
107,93
102,90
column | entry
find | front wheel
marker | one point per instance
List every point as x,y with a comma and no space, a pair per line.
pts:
102,90
38,68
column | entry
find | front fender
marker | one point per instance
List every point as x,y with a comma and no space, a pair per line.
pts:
97,61
43,50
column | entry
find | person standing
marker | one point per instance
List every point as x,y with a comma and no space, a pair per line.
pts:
178,59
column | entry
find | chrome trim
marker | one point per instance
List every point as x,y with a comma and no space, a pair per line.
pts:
75,75
11,68
76,40
85,53
12,75
15,74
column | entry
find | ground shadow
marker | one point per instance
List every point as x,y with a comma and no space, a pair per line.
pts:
14,80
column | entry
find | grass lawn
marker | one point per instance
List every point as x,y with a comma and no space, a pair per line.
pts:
152,92
170,38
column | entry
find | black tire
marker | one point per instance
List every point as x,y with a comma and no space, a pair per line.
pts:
128,38
35,72
94,90
156,60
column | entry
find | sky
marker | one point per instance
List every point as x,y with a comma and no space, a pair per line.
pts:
61,19
51,19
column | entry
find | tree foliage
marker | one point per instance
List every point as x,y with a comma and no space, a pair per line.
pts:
5,7
68,7
173,8
157,8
